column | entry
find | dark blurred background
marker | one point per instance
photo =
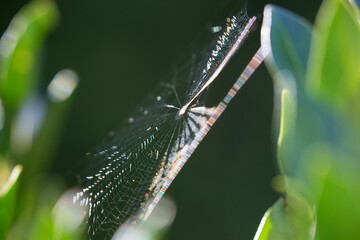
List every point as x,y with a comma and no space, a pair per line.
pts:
121,49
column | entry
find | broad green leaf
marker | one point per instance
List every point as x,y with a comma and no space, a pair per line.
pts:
334,70
355,5
39,151
60,93
8,200
34,219
286,130
334,64
287,38
326,174
299,121
332,180
68,217
49,209
290,218
19,50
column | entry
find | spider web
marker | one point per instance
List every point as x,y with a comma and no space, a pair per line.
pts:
129,172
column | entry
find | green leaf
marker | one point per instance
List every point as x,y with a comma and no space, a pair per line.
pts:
334,70
286,130
355,7
357,2
51,214
316,143
68,217
39,152
334,64
8,200
332,180
19,50
286,37
289,218
60,93
48,223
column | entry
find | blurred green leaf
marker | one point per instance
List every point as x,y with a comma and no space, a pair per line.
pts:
333,179
19,49
357,2
8,200
334,67
287,38
44,219
289,218
60,93
319,144
34,134
287,126
334,70
44,225
37,158
68,217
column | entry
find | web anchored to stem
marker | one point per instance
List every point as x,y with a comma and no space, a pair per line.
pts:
129,173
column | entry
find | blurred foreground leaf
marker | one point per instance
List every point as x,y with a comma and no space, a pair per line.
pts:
289,218
333,179
19,49
318,147
334,67
30,128
51,215
60,93
68,217
355,2
334,70
8,200
38,152
286,37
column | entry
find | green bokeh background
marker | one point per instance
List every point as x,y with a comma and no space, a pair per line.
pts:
121,49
